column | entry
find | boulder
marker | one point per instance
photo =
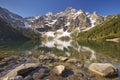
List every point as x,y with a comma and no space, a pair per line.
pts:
48,56
72,61
67,54
62,58
7,59
28,78
103,69
3,64
59,69
15,71
16,78
37,76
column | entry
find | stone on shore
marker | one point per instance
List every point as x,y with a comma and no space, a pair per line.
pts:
103,69
59,69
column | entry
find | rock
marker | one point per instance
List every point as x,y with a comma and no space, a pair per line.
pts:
79,65
41,74
28,53
53,76
59,69
7,59
44,70
38,75
103,69
14,72
48,56
26,71
44,57
1,58
28,78
61,58
71,61
16,78
117,40
3,64
67,54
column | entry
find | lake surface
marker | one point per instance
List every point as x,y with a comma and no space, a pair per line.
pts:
86,52
101,51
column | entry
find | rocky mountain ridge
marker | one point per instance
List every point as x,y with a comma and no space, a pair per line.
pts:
56,25
69,20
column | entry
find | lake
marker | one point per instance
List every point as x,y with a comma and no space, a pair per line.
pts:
86,52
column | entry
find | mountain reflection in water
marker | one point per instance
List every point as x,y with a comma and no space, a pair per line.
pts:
93,51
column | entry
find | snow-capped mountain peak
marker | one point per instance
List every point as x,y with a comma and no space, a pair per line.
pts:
68,19
49,14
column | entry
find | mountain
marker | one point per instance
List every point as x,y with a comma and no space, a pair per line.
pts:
109,29
9,33
70,19
14,27
11,17
62,25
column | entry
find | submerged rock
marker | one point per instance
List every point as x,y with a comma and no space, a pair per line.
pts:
28,78
103,69
59,69
67,54
72,61
48,56
62,58
22,67
16,78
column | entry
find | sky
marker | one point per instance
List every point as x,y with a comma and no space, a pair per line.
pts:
27,8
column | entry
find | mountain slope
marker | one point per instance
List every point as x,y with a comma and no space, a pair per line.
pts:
14,27
108,29
11,17
9,33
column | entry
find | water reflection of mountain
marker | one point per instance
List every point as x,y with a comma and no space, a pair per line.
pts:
92,50
57,44
106,49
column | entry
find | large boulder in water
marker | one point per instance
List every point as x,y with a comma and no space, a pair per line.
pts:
103,69
23,68
59,69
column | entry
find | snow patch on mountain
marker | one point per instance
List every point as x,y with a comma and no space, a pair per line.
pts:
49,34
76,14
92,22
57,44
53,22
67,24
26,25
50,23
56,34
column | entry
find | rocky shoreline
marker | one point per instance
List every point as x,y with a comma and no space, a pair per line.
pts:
52,67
